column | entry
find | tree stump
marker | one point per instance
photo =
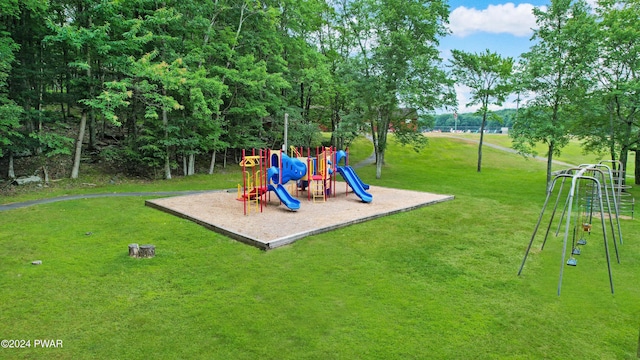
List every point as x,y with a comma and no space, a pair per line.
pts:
147,251
133,250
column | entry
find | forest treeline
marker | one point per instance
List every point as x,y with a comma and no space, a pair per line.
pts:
150,86
472,121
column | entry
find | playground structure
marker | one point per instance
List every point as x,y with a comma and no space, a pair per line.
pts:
584,201
267,171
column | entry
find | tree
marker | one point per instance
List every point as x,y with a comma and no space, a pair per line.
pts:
9,111
85,31
397,63
488,75
618,92
556,72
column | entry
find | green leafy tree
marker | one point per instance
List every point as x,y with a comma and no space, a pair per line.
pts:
85,31
9,111
398,63
556,72
617,97
24,78
488,75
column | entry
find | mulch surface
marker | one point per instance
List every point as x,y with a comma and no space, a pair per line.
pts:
272,224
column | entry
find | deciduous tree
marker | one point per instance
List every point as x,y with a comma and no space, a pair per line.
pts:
398,63
556,72
488,75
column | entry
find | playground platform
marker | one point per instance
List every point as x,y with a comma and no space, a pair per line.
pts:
276,225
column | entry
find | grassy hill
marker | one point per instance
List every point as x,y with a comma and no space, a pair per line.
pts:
435,283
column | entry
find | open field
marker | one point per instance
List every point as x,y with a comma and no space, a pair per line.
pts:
572,153
438,282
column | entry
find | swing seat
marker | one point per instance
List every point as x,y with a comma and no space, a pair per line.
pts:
582,242
575,251
572,262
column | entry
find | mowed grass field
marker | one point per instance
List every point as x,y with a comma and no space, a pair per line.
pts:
439,282
571,154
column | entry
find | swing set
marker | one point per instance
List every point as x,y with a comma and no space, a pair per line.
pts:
584,200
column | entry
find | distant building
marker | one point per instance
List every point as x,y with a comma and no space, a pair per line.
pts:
405,119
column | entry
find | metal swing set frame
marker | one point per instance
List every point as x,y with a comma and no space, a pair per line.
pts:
578,207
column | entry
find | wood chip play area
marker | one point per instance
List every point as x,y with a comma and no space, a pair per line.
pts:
276,225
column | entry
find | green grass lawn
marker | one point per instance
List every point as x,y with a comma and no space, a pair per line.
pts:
571,154
435,283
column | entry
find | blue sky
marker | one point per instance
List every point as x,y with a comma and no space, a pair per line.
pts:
500,26
504,27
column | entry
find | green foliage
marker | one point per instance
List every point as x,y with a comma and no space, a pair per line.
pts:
397,62
9,111
440,280
472,121
556,71
53,144
172,79
114,96
489,76
613,122
9,125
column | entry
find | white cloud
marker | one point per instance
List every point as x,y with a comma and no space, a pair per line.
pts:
504,18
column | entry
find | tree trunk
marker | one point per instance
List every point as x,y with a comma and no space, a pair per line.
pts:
12,174
63,111
78,154
147,251
45,173
224,161
185,171
213,163
482,125
192,165
92,131
379,163
612,142
624,155
165,124
374,138
550,163
134,249
382,131
637,169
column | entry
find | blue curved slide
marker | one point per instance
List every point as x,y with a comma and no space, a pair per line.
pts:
359,188
285,198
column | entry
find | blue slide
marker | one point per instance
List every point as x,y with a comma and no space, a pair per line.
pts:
284,196
293,169
359,188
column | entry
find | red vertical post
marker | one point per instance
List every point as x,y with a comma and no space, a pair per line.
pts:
261,184
325,173
244,185
308,173
268,152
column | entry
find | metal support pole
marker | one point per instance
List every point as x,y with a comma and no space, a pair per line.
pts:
286,129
